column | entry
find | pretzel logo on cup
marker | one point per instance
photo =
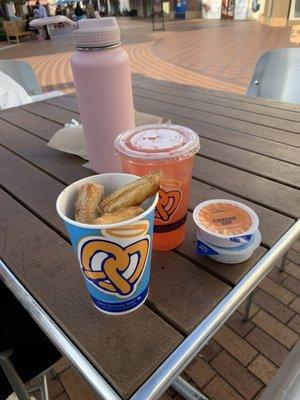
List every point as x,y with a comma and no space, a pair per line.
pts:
116,266
169,200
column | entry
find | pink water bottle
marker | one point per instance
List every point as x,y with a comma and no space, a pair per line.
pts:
102,78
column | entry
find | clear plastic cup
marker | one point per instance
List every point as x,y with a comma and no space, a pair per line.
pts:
170,149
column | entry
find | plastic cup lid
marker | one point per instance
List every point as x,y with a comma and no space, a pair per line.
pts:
162,143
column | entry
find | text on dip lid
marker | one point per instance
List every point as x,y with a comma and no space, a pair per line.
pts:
226,218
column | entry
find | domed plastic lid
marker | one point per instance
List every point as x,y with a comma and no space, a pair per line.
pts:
97,33
162,143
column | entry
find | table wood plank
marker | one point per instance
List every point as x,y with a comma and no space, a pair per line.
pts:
188,297
226,95
51,112
244,118
37,125
69,103
272,134
210,133
235,139
278,171
270,194
67,166
226,101
46,266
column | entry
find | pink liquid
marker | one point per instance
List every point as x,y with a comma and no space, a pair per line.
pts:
171,211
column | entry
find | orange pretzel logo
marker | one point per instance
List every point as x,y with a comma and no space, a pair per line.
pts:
113,268
167,204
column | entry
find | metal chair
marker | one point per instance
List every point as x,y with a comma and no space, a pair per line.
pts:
23,74
285,385
277,76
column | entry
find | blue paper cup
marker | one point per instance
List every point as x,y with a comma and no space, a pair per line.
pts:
115,259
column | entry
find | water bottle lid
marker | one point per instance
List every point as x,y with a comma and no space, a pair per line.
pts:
97,32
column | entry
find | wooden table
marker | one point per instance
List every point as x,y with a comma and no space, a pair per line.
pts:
249,152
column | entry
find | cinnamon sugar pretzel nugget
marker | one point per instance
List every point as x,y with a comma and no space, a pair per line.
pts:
123,214
87,201
132,194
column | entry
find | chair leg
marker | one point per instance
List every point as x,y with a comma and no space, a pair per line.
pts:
12,375
283,261
247,307
42,387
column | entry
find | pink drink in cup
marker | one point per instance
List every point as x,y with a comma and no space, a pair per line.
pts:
171,149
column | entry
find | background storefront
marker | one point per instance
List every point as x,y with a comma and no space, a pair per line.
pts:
282,12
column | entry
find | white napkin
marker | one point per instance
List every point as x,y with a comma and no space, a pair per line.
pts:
70,139
11,93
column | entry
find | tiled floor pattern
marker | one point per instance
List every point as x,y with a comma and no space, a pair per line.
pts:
212,54
242,357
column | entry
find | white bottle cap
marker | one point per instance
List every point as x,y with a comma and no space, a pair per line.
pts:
97,33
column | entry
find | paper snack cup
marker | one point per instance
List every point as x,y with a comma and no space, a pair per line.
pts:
114,259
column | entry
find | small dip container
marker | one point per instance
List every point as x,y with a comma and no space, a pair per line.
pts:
229,255
225,223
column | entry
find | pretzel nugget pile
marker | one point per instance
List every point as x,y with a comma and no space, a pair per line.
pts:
92,207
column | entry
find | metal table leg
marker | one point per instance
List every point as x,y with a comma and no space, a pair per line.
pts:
12,375
186,390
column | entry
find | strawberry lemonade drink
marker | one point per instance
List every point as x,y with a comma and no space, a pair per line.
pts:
170,149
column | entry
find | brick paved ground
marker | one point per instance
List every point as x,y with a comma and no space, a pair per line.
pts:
242,357
213,54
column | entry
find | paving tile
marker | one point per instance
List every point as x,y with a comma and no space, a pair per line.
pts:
295,323
263,369
200,372
273,306
218,389
292,284
293,269
295,305
296,246
75,386
235,345
61,365
178,397
253,309
277,275
237,323
259,394
243,381
294,256
276,290
267,346
275,328
210,350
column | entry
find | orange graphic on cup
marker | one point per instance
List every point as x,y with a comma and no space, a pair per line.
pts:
135,230
111,267
168,199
